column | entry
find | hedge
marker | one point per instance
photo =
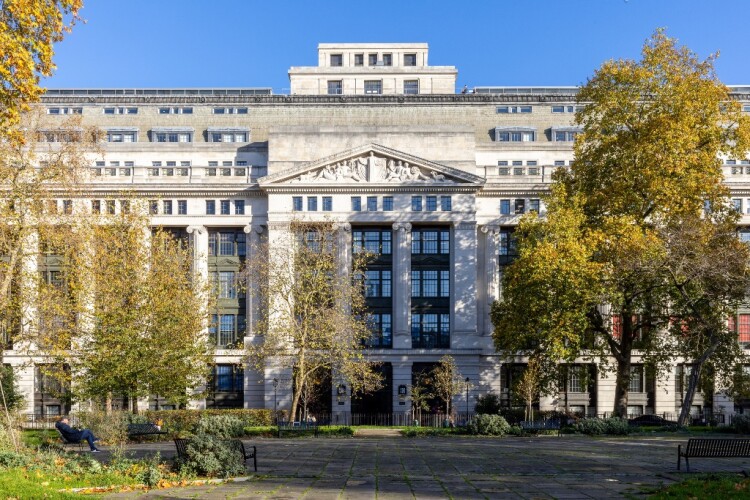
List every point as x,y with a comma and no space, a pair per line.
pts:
184,421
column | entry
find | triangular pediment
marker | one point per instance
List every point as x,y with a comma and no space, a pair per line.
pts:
370,164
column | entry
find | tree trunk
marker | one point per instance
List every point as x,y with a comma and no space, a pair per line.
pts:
687,401
108,404
622,386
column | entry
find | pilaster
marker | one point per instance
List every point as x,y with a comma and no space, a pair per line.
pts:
464,290
254,235
401,285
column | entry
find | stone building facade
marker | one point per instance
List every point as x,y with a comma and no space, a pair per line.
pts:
439,178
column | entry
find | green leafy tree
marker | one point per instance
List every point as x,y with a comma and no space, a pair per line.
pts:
447,381
591,279
315,318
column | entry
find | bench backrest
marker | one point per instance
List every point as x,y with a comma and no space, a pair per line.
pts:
66,440
142,428
718,447
181,445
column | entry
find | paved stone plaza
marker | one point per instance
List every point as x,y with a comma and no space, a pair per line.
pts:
460,468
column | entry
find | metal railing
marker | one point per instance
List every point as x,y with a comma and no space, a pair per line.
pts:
400,419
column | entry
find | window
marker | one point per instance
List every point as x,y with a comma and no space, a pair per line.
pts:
380,326
431,204
172,136
327,203
387,203
519,206
430,241
296,203
181,207
153,207
312,203
210,207
636,378
387,59
416,203
575,380
564,134
534,206
430,283
377,283
513,109
167,207
335,87
445,203
737,204
515,134
227,135
374,241
64,111
224,208
372,203
359,59
96,207
175,111
337,60
226,330
559,163
228,378
507,244
67,207
565,109
124,206
373,87
356,204
120,111
226,243
372,59
410,59
743,332
411,87
230,111
504,207
111,207
122,136
429,331
226,284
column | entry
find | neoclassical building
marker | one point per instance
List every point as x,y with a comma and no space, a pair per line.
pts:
379,141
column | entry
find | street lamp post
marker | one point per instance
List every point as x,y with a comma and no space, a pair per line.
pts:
467,399
275,407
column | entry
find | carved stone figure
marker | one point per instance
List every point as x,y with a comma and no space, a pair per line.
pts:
356,169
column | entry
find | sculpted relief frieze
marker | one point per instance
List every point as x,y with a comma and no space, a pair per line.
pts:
371,169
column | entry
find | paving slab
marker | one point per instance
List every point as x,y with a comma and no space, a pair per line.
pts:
390,467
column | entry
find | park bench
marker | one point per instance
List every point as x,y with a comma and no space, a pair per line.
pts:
535,426
138,430
236,444
285,426
67,442
713,448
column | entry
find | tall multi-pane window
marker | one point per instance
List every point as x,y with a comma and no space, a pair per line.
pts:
335,87
356,203
375,241
153,207
239,207
744,328
372,203
430,241
228,378
181,207
575,380
380,326
534,205
636,378
297,203
411,87
225,207
416,203
431,203
445,204
507,244
227,330
312,203
387,203
429,331
327,203
210,207
377,283
226,243
373,87
430,283
504,207
226,285
167,207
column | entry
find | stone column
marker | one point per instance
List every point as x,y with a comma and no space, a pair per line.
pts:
28,290
401,285
343,247
402,403
464,290
200,272
489,290
252,300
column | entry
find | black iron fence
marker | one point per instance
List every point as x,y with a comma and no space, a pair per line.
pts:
38,421
399,419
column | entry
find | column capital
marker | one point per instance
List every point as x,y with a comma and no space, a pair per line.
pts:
490,229
253,228
196,229
342,226
402,226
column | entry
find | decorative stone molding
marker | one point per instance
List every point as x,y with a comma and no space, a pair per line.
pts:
371,169
278,226
256,228
403,227
342,226
465,225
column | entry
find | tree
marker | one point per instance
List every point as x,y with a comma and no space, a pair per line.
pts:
529,385
590,281
314,318
138,319
28,31
447,381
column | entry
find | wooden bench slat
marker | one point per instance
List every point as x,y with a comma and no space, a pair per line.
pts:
713,448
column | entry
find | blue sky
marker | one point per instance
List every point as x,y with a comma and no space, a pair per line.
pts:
246,43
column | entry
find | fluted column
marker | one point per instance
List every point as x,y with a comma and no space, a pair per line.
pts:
199,237
401,283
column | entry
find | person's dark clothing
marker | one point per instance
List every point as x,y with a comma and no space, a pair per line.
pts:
75,436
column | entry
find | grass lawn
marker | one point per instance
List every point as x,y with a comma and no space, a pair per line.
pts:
19,482
708,486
